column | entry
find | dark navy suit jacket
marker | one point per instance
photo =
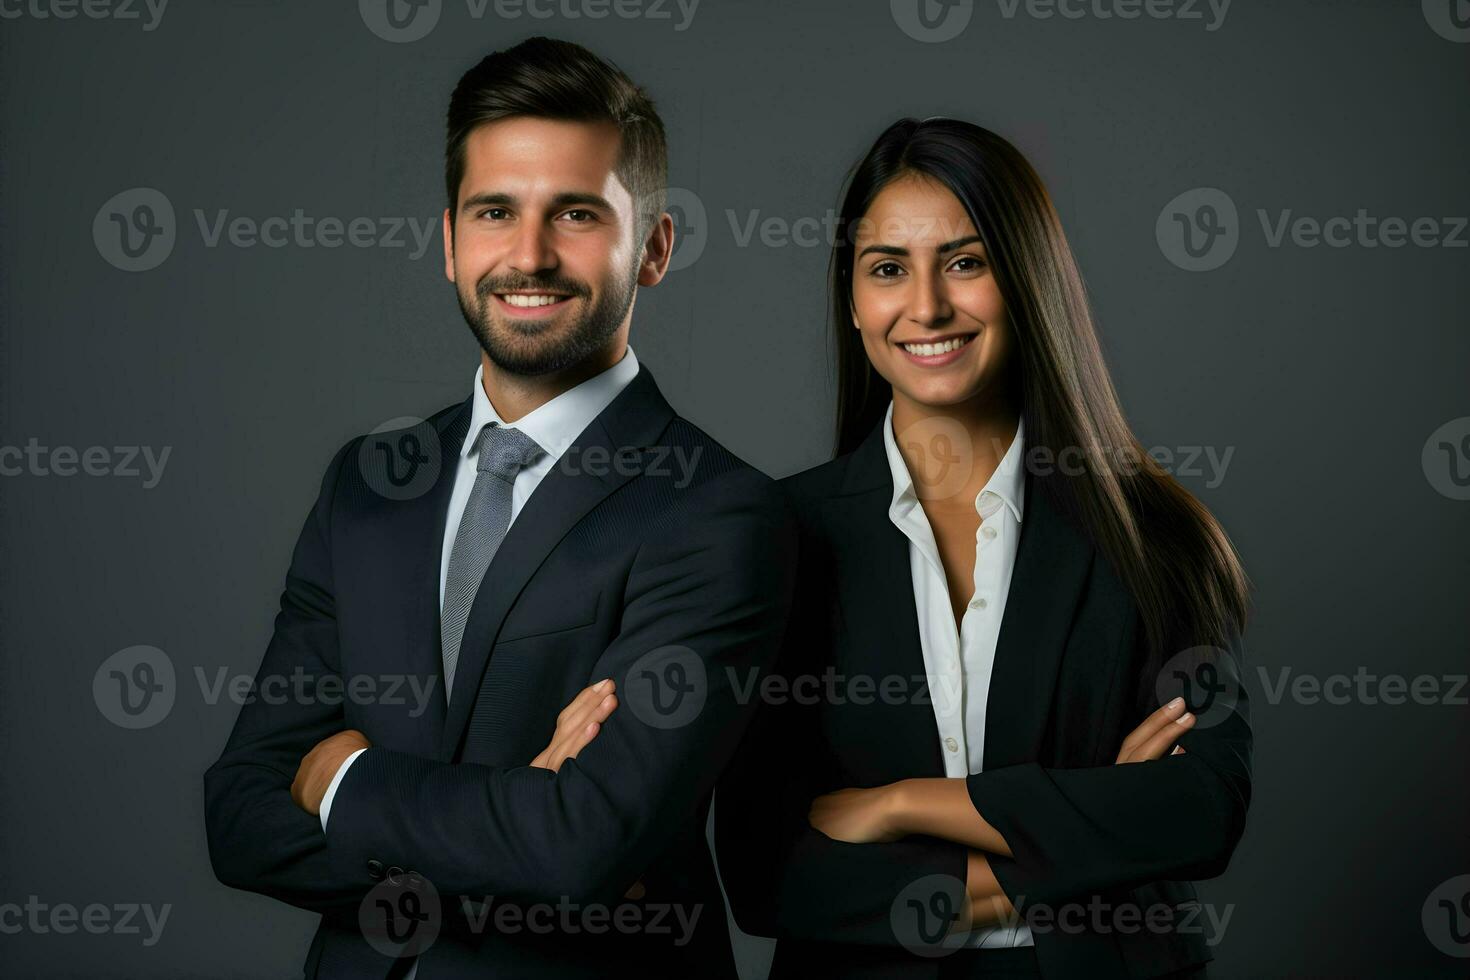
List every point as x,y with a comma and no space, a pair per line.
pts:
673,580
1069,682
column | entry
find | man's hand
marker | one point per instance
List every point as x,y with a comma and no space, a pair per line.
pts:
320,765
578,724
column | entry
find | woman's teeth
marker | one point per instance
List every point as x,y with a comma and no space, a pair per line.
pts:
930,350
529,300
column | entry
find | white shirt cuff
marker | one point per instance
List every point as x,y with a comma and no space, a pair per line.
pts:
326,806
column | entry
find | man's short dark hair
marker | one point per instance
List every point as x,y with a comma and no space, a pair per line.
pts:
551,79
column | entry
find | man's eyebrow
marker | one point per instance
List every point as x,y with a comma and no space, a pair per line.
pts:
897,250
499,199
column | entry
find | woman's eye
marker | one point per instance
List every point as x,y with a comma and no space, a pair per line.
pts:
886,270
967,263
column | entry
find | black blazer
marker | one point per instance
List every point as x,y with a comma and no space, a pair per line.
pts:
612,562
1068,685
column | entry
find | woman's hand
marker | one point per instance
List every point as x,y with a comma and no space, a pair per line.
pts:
578,724
942,807
858,816
1158,732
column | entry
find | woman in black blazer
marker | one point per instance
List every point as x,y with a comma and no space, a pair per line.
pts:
997,584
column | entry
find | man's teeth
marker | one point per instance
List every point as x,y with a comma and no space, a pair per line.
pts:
930,350
528,300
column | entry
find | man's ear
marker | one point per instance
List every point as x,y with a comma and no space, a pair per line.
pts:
658,248
448,247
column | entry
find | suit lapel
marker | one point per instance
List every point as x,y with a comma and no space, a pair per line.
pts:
1052,562
877,602
565,495
876,594
412,583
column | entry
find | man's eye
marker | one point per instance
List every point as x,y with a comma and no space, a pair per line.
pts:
578,215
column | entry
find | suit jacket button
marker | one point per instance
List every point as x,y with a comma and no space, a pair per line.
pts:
375,870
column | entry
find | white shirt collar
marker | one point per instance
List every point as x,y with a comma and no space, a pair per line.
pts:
555,424
1008,482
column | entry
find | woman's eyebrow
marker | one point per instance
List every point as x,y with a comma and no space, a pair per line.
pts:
898,250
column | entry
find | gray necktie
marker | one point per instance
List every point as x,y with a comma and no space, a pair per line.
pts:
503,453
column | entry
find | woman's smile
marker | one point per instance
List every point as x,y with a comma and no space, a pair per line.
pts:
936,352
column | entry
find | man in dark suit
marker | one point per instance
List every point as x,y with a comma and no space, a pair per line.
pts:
560,531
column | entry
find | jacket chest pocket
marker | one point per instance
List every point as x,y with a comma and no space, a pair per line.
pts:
550,611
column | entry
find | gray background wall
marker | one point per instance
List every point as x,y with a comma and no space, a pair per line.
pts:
1325,370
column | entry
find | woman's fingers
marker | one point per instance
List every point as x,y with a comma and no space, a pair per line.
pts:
1157,734
1150,727
1163,740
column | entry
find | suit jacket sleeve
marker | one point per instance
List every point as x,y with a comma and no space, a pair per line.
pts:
259,839
1076,832
782,876
704,606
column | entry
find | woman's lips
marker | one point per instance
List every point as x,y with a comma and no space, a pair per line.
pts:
937,354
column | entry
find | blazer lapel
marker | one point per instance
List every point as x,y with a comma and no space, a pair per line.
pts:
1052,562
876,594
414,533
565,495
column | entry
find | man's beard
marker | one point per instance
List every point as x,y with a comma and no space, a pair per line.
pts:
531,349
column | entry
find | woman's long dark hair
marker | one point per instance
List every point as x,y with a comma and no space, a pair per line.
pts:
1167,548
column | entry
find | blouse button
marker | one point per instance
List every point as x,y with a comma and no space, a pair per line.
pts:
952,745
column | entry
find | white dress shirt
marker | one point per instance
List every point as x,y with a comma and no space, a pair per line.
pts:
553,426
958,663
